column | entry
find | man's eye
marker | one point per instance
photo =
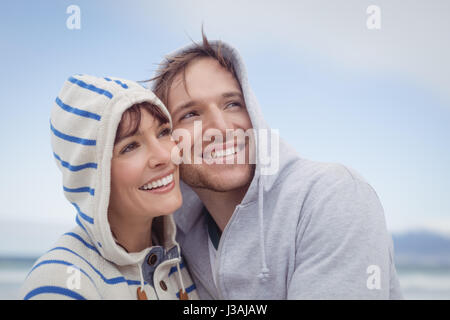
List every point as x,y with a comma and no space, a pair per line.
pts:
165,132
129,147
233,104
188,115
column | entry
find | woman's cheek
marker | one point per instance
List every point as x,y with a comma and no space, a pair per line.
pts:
172,147
129,171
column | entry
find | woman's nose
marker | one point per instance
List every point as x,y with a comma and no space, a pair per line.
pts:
159,154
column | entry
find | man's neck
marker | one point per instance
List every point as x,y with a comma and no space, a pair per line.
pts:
221,205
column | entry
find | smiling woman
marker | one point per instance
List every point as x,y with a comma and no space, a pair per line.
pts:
123,199
144,181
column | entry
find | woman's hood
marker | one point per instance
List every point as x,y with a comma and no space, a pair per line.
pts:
83,124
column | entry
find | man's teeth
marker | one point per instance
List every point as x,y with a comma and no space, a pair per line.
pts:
226,152
158,183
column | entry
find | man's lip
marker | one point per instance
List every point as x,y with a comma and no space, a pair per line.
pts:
159,177
227,146
224,146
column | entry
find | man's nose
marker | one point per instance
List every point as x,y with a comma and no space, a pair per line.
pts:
217,121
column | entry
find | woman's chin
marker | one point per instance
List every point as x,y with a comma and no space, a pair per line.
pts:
166,206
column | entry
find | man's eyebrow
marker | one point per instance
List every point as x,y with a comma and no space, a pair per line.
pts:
185,105
191,103
232,95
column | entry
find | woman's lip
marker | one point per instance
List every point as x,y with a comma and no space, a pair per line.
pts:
160,177
163,189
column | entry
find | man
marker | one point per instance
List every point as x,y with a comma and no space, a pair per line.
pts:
306,230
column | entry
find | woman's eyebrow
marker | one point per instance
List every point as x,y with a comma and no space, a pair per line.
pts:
140,133
126,136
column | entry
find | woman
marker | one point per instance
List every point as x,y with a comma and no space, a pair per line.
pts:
112,141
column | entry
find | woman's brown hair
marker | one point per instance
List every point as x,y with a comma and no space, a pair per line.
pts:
131,119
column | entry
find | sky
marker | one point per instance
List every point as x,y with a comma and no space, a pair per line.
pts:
377,101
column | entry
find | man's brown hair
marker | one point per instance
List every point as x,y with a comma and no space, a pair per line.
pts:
175,65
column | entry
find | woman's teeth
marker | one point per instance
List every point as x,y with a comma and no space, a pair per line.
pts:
158,183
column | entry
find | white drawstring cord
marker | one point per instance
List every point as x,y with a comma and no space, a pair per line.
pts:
180,277
142,276
179,269
264,270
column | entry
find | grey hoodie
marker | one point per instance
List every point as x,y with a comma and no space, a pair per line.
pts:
311,230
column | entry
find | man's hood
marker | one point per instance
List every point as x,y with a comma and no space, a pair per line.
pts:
83,124
273,155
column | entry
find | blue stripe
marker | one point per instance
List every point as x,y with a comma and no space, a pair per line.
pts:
81,189
87,245
67,137
123,85
44,262
67,165
116,280
82,113
82,214
49,262
55,290
174,269
80,224
90,87
188,289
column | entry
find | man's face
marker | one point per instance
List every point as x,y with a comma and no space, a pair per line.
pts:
213,96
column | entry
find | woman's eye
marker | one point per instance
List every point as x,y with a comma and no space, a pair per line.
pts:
165,132
129,147
188,115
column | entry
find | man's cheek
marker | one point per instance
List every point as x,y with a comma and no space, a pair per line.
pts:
181,153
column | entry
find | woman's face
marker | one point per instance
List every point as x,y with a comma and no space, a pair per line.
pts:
144,180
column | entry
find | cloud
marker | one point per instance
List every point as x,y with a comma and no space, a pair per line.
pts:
412,42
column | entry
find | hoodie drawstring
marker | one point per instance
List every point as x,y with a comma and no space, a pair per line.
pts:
140,291
264,270
183,293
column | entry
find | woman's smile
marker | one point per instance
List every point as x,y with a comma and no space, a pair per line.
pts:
161,185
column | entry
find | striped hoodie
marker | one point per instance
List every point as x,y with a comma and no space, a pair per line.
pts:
86,263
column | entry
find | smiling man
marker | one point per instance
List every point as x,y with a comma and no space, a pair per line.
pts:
309,230
215,99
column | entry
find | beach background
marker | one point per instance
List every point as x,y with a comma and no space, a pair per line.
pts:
416,282
336,88
422,259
